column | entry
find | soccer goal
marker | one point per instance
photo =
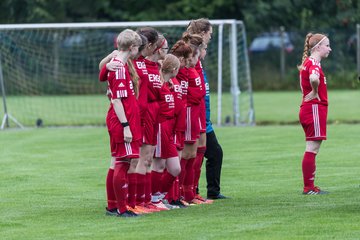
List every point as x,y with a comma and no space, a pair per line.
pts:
49,72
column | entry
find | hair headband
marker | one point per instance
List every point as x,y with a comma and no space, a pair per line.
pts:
161,45
318,43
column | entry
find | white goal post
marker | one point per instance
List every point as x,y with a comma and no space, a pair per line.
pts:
48,72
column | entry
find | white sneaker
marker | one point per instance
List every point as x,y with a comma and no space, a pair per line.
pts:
157,197
161,206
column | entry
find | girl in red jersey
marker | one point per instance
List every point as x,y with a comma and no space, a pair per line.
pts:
143,176
179,89
151,121
123,122
137,67
166,154
314,106
195,94
202,27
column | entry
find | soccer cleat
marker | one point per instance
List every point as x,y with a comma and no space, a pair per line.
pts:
111,212
144,209
168,205
196,201
185,203
127,213
206,201
219,196
314,191
161,206
178,203
152,207
138,210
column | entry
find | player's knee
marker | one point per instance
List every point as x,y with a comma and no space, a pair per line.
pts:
148,161
158,165
175,171
133,163
188,155
313,146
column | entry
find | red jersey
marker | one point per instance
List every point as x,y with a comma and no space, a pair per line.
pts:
154,82
199,69
103,74
167,104
177,93
121,87
183,78
141,70
311,66
196,90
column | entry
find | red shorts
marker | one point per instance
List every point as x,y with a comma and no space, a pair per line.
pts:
313,119
124,150
192,132
179,139
150,124
165,147
202,116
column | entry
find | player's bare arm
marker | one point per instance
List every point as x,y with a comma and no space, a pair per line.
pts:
314,81
120,113
106,60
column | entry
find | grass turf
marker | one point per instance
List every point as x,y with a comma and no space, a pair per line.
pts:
270,108
52,186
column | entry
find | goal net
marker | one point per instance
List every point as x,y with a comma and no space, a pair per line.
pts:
49,72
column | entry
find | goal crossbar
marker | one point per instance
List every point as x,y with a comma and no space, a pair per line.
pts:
108,24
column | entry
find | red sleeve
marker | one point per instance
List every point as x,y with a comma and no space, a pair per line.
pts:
118,83
103,74
313,69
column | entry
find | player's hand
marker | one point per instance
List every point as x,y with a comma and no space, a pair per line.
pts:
113,65
127,134
108,94
311,95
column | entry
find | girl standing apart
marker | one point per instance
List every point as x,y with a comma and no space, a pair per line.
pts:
314,106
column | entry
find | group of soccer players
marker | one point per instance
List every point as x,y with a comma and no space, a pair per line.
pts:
156,120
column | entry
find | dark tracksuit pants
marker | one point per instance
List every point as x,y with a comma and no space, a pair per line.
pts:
214,156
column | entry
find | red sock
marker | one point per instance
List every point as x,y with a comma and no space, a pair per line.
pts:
120,182
147,188
197,167
308,169
176,189
155,182
111,198
183,163
189,181
132,189
140,188
166,182
170,194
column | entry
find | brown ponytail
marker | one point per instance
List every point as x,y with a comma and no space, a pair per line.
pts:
134,77
199,26
306,50
181,49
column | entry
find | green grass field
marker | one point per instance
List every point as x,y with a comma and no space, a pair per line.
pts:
52,186
53,179
270,108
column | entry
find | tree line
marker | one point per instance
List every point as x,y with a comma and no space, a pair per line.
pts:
258,15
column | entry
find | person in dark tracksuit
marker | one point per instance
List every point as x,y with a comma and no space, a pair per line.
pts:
213,154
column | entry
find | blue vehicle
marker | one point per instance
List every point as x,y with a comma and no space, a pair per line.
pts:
268,41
